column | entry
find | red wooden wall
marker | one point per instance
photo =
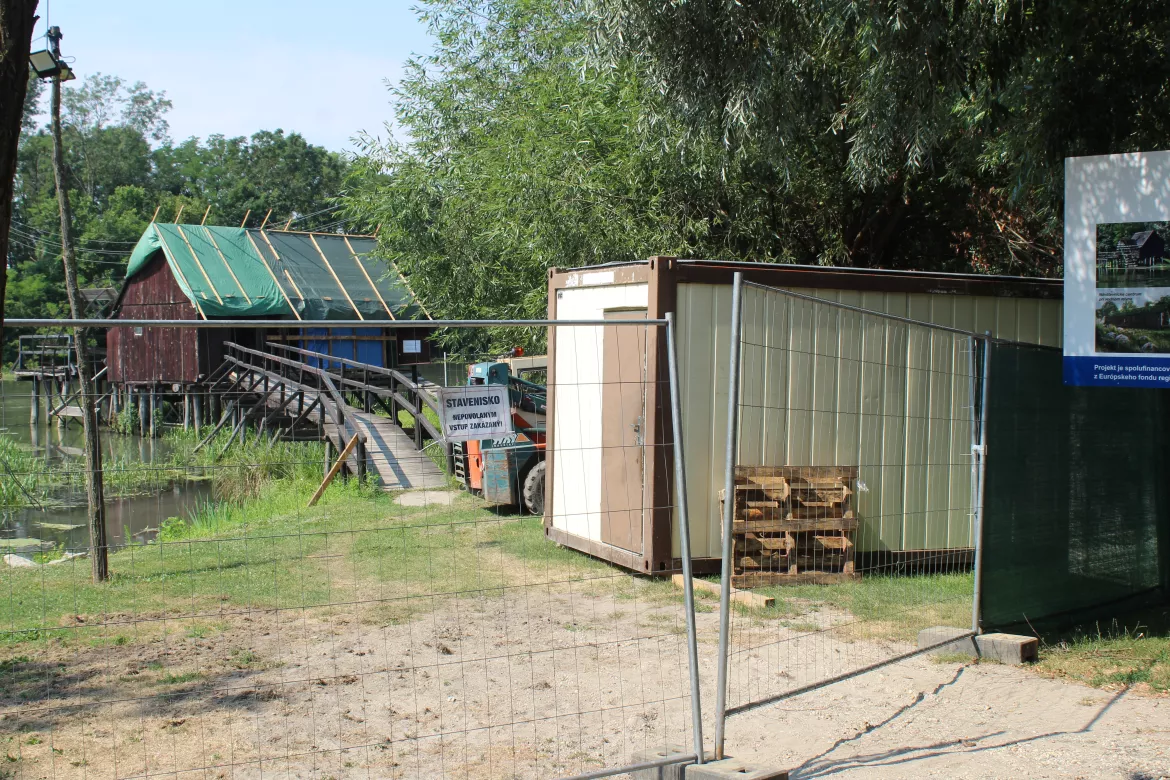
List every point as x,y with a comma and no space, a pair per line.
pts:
155,355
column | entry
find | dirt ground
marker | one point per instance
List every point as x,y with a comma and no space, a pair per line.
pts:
537,681
540,681
922,718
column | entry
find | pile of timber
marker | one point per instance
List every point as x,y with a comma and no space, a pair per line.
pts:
792,524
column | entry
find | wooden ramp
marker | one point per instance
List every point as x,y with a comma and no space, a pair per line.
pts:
390,455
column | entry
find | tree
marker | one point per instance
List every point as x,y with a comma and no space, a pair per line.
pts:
17,18
270,170
522,157
947,121
120,165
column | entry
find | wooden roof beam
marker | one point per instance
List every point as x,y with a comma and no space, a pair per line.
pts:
275,280
337,279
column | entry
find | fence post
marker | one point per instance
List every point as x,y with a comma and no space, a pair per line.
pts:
981,475
728,513
684,536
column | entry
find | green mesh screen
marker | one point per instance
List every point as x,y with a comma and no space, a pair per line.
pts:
1076,495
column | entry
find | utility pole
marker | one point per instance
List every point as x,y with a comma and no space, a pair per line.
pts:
94,489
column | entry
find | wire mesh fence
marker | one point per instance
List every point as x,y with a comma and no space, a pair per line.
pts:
852,491
411,621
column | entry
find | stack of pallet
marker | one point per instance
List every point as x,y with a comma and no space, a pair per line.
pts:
792,524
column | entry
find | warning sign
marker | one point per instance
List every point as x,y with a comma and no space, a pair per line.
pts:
475,412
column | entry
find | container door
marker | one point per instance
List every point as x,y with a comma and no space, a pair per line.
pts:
623,425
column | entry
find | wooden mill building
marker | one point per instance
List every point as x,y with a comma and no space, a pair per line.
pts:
198,272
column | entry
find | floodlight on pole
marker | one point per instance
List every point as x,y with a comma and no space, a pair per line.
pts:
48,63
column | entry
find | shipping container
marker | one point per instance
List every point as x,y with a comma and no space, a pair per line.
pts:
590,506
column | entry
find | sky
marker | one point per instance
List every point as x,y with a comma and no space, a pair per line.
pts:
316,68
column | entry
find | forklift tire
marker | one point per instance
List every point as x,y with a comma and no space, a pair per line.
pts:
534,489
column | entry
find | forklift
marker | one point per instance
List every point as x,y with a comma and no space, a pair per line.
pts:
509,470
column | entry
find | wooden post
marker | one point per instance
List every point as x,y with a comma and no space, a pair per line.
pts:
328,456
243,423
34,411
186,410
197,400
141,401
153,411
332,472
361,459
204,220
244,221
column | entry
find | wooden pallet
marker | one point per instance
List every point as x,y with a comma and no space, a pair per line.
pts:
792,524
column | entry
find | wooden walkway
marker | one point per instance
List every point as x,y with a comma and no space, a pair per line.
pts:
313,396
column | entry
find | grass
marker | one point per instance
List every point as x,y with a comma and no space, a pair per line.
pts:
893,608
1112,659
270,551
236,471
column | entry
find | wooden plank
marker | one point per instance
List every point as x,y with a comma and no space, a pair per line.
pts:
763,578
336,468
791,472
293,284
336,278
737,596
834,542
795,526
361,266
198,264
275,280
211,238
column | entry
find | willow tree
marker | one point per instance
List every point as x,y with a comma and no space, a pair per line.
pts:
943,123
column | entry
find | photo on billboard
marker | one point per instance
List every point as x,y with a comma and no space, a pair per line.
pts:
1133,287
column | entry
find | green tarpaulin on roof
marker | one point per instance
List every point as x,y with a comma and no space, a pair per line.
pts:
238,272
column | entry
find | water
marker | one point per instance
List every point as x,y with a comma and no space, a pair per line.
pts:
130,519
1118,278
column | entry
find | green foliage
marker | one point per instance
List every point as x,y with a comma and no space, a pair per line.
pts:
894,134
937,129
237,472
121,166
520,158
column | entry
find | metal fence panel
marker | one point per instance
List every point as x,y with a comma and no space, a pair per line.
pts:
837,401
401,627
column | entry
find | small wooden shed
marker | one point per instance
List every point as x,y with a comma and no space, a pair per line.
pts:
621,508
198,272
1144,248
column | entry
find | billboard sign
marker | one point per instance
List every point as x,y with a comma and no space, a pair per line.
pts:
1117,270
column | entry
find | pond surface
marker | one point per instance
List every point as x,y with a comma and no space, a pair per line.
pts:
130,519
1117,278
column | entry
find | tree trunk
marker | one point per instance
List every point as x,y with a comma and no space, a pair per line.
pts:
17,18
94,491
